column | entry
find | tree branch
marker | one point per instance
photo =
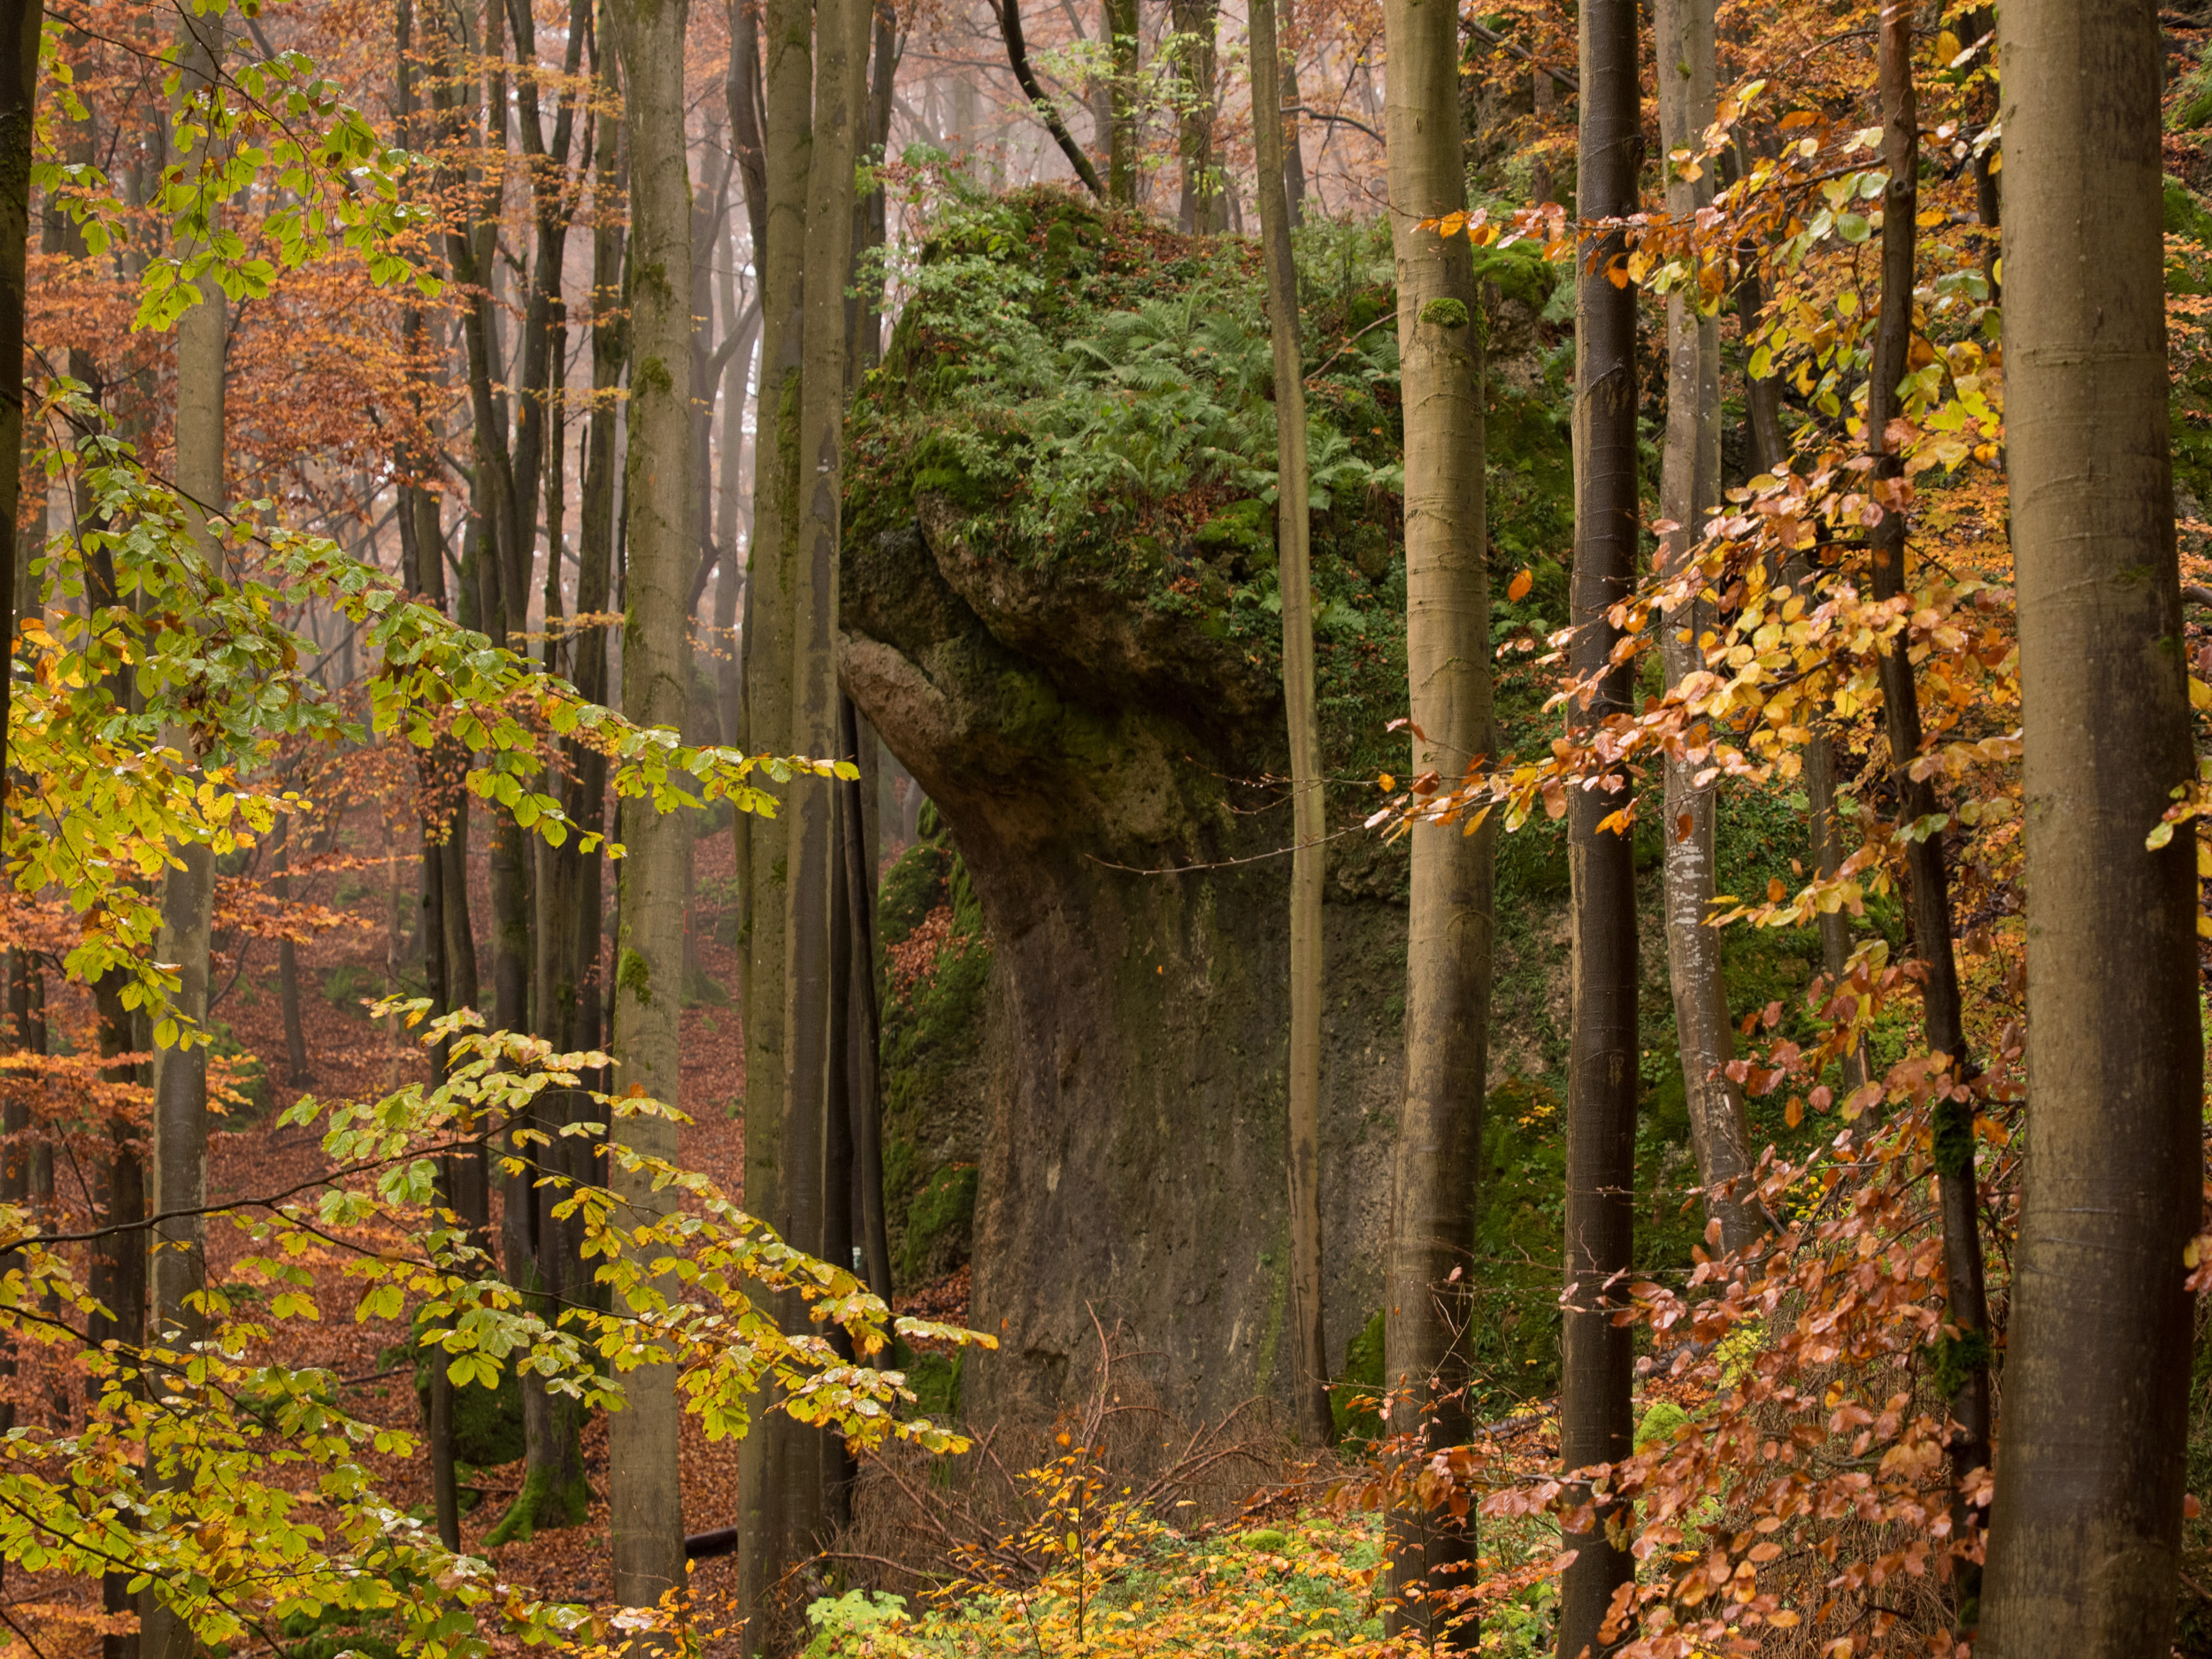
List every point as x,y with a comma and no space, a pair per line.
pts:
1009,21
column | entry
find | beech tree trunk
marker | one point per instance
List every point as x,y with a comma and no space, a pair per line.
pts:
1594,1421
118,1262
730,527
776,1481
2085,1534
1928,881
1123,42
587,799
1689,490
178,1268
502,565
645,1497
296,1069
1202,208
870,1228
1449,926
1309,857
816,1181
1287,98
21,23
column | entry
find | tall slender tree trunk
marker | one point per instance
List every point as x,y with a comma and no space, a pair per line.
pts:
1689,489
1594,1425
553,1493
501,561
178,1268
1450,925
1310,1402
15,1169
586,800
1294,167
645,1495
1928,881
730,530
119,1263
422,560
119,1270
1201,209
870,219
871,1225
775,1478
297,1071
1123,42
816,1180
21,23
2086,1532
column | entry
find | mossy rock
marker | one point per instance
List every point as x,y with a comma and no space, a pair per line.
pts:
940,1232
912,887
1353,1401
1661,1423
935,1381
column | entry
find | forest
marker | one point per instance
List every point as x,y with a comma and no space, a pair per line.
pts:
928,829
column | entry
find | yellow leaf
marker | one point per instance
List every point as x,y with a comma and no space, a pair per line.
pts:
2200,693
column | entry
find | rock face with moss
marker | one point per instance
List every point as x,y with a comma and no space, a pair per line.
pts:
1060,611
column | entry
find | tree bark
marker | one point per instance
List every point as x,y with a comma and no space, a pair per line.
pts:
586,797
296,1069
178,1268
1689,489
1927,880
769,1463
729,582
503,560
1123,40
1201,209
1309,857
1288,99
816,1181
644,1493
742,92
1595,1423
21,23
2086,1534
871,1226
871,217
118,1269
1450,923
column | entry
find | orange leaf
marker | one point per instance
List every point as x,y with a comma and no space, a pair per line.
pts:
1518,588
